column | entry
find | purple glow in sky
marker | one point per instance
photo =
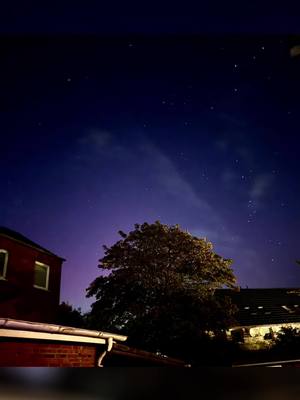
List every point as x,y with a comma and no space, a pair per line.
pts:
101,133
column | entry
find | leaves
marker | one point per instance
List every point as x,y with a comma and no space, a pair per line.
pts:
160,287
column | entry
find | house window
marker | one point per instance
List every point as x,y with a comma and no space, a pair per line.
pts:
3,263
41,275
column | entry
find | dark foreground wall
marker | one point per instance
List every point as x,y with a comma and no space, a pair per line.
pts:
40,353
33,353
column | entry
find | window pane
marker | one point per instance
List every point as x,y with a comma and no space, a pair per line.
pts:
40,276
2,263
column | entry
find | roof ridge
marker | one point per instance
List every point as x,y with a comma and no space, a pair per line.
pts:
25,240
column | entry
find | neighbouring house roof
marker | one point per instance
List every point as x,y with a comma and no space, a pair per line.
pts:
151,358
265,306
24,240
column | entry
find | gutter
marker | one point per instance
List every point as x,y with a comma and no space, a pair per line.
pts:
39,331
267,364
51,328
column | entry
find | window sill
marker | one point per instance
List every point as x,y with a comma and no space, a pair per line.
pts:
2,278
41,288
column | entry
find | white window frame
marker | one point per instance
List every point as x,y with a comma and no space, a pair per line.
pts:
3,277
47,276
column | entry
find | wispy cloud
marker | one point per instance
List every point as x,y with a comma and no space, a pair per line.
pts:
170,178
232,120
222,144
245,154
167,178
97,144
261,186
98,139
228,176
221,236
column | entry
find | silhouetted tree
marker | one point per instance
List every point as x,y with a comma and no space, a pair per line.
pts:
288,341
160,289
69,316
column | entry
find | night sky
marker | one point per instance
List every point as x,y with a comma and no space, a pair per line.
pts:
99,132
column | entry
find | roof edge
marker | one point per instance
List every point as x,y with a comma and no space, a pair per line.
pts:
31,244
8,323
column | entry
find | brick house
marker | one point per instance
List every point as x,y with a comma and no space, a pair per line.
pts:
30,278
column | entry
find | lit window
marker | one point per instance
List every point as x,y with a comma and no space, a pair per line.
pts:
246,308
3,263
260,307
41,276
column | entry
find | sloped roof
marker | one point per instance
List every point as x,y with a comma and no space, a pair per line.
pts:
265,306
23,239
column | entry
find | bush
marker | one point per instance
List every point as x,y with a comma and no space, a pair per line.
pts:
288,340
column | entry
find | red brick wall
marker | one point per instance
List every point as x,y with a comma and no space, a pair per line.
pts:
46,354
18,298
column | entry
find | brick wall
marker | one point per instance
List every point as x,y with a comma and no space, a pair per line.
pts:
17,353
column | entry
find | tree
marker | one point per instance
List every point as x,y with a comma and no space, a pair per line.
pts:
69,316
287,341
160,289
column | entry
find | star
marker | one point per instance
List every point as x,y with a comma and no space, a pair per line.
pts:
235,90
69,80
235,65
212,107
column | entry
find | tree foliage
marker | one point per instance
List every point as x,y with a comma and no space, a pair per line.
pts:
288,340
160,288
67,315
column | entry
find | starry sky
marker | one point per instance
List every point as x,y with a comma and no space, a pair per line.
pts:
99,132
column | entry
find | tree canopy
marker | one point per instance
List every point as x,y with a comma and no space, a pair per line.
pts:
69,316
160,287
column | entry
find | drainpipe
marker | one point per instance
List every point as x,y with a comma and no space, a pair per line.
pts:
109,344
